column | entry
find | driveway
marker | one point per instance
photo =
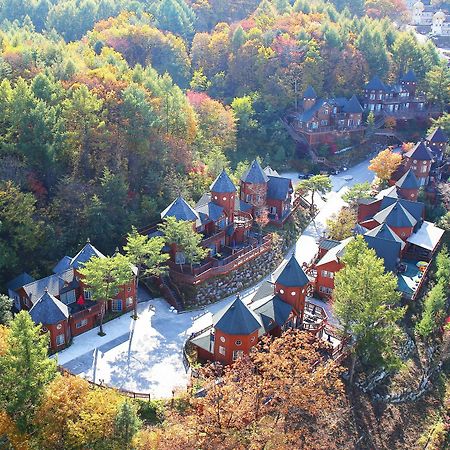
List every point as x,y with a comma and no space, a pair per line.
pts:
146,355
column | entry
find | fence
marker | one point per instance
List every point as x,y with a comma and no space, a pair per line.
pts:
130,394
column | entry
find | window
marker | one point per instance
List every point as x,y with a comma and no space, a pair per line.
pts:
323,122
60,339
293,293
252,339
81,324
327,274
117,305
325,290
424,169
372,97
222,350
68,297
238,342
281,291
129,301
224,198
87,294
237,354
129,288
248,198
222,339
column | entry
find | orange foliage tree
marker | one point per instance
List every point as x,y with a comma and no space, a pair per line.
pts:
281,396
385,164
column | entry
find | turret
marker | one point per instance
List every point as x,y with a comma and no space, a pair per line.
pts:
292,285
408,186
235,331
223,193
254,186
309,98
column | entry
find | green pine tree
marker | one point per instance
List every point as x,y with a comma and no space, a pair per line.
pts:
25,371
433,311
127,425
366,304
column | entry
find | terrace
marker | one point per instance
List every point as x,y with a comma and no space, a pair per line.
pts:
411,278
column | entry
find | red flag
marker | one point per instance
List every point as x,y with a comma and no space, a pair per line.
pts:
80,300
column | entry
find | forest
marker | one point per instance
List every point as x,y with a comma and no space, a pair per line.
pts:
111,108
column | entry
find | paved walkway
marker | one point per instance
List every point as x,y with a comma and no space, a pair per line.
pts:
145,355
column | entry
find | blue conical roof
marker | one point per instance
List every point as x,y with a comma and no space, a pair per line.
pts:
255,174
420,152
223,183
376,84
437,136
353,106
236,319
309,92
181,210
292,275
409,76
408,181
48,310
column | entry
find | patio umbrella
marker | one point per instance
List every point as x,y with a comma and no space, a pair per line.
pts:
422,264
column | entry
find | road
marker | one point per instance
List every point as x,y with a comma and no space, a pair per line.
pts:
145,355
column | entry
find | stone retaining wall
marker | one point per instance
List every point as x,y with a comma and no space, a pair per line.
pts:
248,274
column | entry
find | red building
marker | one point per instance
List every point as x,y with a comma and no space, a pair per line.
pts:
65,294
235,329
225,218
398,100
393,225
322,121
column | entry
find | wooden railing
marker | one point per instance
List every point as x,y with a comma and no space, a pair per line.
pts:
139,395
205,272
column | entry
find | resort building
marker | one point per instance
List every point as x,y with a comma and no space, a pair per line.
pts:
62,303
276,307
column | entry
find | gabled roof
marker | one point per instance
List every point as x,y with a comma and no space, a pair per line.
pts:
376,84
53,284
84,255
21,280
254,174
388,192
409,76
223,183
309,92
62,265
416,209
211,210
48,310
353,106
388,250
335,253
408,181
236,319
278,188
292,275
271,172
181,210
437,136
328,244
274,312
383,231
420,152
427,236
308,114
395,216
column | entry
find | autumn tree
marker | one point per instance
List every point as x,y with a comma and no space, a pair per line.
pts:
146,254
385,164
340,226
443,268
61,406
316,184
105,277
366,303
25,371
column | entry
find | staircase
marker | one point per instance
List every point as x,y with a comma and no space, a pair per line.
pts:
171,293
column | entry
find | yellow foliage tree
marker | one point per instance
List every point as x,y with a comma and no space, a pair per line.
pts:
96,422
61,406
3,337
385,163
